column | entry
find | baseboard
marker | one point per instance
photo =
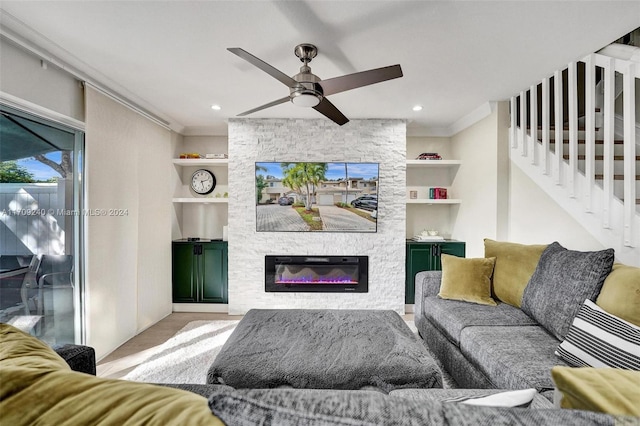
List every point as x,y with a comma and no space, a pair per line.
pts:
201,307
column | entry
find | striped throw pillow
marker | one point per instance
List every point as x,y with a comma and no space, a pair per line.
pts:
599,339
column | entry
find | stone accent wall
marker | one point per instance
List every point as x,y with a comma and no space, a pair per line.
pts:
375,141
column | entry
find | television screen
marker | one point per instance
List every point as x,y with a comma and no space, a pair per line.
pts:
316,197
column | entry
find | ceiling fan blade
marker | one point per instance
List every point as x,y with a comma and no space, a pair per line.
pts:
273,72
331,86
330,111
265,106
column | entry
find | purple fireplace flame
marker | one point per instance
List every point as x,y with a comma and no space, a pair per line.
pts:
309,279
316,274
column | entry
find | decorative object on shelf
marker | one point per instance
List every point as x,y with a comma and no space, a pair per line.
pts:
437,193
428,235
215,156
413,195
190,155
427,238
203,182
429,156
226,195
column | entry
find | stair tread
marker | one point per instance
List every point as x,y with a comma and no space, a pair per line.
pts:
582,141
615,177
601,157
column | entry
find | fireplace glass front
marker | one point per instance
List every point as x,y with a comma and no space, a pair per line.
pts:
316,274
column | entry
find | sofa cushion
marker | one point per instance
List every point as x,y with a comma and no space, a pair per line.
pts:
620,294
38,387
599,339
562,281
468,280
513,357
451,316
316,407
606,390
515,264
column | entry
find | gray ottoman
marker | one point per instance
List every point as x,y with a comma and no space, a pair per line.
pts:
324,349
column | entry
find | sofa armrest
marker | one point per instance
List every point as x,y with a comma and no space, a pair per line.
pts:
80,358
427,285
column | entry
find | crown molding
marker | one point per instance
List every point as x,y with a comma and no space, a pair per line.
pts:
26,38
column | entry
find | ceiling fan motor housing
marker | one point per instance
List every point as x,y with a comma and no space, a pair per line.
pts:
308,92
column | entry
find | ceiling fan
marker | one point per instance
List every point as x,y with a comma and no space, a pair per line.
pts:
308,90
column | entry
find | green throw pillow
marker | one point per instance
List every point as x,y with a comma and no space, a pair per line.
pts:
515,264
468,280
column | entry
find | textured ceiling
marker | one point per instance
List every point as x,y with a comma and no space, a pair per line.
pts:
170,57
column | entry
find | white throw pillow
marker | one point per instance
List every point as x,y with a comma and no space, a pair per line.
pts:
519,398
598,339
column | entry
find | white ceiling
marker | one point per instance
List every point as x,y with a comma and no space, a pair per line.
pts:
170,57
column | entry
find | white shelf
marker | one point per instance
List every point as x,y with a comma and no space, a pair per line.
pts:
429,201
203,200
201,162
433,163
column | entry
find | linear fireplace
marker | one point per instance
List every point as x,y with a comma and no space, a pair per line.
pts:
321,274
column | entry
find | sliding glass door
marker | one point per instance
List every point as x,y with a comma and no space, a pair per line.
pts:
41,222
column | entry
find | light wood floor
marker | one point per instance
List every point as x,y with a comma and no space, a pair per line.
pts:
128,356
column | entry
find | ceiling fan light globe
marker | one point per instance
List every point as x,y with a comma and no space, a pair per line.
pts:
306,100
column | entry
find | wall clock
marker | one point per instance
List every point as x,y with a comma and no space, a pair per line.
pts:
203,182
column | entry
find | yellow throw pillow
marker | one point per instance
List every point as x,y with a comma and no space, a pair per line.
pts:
468,280
18,348
605,390
38,387
515,264
620,294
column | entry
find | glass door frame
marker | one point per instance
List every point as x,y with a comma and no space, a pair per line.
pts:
79,241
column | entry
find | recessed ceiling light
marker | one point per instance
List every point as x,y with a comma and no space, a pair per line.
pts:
417,108
216,107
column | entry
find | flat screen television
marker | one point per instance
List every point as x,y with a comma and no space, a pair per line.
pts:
316,197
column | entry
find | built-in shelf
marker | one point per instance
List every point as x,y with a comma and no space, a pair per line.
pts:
433,163
429,201
201,162
201,200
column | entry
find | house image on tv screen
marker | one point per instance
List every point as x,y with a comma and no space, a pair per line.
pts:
308,196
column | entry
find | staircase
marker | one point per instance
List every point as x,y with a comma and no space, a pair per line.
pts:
576,134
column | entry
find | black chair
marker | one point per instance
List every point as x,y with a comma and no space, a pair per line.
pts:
51,276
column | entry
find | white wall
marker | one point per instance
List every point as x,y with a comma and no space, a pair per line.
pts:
379,141
128,269
480,182
536,219
24,77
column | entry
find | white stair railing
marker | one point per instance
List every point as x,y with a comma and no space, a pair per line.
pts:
586,183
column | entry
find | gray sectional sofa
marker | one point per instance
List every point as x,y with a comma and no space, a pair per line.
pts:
31,370
484,346
534,310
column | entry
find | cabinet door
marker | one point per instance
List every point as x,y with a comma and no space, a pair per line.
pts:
426,257
213,270
452,248
419,258
184,280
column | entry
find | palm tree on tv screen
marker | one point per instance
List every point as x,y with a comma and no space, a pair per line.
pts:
307,176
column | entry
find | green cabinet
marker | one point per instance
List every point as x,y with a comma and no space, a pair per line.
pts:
199,273
425,256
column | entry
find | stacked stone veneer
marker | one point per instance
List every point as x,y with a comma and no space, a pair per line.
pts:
375,141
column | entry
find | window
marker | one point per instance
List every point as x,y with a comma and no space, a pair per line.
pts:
40,226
